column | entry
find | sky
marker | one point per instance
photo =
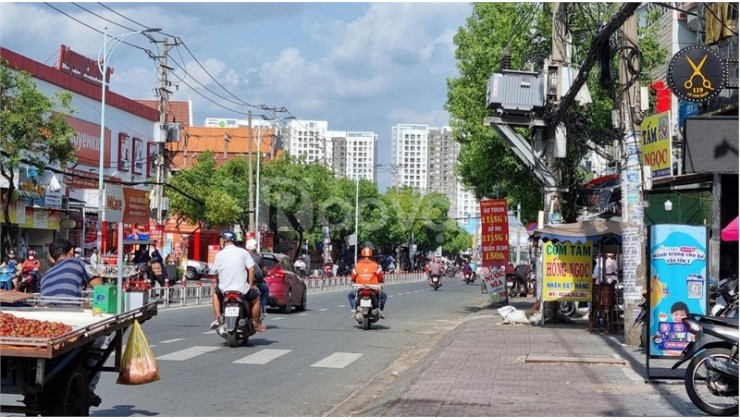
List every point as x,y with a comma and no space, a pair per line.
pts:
359,66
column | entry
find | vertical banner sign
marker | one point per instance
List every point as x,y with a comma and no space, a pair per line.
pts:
494,233
678,285
568,269
495,280
656,144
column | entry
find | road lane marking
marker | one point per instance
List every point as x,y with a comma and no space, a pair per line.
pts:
174,340
262,357
341,306
210,332
302,314
277,319
390,296
188,353
323,310
338,360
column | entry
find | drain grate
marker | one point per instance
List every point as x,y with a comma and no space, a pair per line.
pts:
574,358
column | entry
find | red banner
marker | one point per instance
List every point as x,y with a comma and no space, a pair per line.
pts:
87,143
494,233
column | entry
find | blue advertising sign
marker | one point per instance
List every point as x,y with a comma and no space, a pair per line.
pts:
678,284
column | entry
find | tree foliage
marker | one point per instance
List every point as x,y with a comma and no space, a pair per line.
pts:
33,131
486,163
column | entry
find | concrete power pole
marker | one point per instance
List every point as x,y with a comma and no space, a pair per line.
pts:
250,198
164,95
633,229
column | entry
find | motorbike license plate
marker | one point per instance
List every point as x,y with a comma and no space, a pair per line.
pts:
231,311
366,303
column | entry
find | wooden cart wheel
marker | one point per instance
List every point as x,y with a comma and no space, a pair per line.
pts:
67,395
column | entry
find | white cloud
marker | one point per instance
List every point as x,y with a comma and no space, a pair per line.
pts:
434,118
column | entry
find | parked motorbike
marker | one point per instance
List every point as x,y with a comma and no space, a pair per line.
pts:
7,274
435,281
725,298
711,378
236,326
368,301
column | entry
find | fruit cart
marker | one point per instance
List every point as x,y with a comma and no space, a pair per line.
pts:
50,376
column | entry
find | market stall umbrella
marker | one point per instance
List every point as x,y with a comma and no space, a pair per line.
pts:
729,233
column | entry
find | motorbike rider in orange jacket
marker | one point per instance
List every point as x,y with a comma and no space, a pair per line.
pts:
367,272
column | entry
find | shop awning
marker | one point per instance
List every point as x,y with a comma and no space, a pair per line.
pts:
588,230
729,233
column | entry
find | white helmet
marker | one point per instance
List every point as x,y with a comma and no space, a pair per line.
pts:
252,244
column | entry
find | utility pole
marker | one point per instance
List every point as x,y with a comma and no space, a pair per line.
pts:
250,198
633,235
164,95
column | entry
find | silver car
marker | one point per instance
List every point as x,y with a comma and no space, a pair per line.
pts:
195,269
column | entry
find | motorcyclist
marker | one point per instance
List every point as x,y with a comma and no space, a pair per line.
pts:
259,278
300,266
366,271
466,269
234,269
12,261
434,268
31,267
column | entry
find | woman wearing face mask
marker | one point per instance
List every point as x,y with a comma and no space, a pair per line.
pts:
30,273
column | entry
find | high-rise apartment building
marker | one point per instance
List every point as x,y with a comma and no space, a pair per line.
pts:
309,141
354,153
409,150
424,158
441,159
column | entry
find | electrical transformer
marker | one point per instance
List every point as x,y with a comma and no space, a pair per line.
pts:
516,92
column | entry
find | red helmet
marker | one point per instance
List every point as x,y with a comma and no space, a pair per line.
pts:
366,252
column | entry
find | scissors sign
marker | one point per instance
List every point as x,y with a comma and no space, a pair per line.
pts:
697,72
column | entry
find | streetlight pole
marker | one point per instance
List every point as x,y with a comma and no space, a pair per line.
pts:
103,56
357,215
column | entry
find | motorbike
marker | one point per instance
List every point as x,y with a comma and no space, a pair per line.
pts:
368,302
468,278
302,272
29,281
725,298
516,286
435,281
7,274
236,326
711,377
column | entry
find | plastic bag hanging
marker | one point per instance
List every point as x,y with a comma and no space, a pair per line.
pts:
138,366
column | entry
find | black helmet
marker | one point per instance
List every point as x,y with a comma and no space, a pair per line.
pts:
228,236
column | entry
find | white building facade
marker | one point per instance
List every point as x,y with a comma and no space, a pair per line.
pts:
410,143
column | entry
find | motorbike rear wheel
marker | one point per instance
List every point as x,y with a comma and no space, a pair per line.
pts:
232,341
366,323
710,392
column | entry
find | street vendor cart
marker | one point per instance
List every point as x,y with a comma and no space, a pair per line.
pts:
50,376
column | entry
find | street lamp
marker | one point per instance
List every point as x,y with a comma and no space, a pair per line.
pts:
103,56
357,215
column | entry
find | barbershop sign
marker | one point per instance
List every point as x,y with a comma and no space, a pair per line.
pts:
696,74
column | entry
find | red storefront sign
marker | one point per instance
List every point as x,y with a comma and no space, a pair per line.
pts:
87,143
494,233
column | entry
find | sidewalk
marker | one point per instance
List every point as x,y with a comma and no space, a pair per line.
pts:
485,368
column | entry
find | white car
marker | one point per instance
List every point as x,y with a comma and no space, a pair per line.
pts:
195,269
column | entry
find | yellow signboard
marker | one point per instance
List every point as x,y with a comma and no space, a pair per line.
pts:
567,271
656,144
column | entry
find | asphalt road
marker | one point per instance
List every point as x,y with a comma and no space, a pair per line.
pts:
305,364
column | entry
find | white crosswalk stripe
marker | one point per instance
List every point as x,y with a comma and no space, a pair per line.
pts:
262,357
188,353
174,340
337,360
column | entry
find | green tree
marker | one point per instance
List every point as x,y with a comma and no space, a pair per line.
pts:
33,131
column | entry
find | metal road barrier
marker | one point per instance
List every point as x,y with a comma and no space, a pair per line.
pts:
194,293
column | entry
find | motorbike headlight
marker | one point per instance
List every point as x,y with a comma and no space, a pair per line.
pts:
692,326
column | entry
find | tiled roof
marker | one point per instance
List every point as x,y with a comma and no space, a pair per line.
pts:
177,111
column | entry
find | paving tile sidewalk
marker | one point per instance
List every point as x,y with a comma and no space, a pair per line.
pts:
481,369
